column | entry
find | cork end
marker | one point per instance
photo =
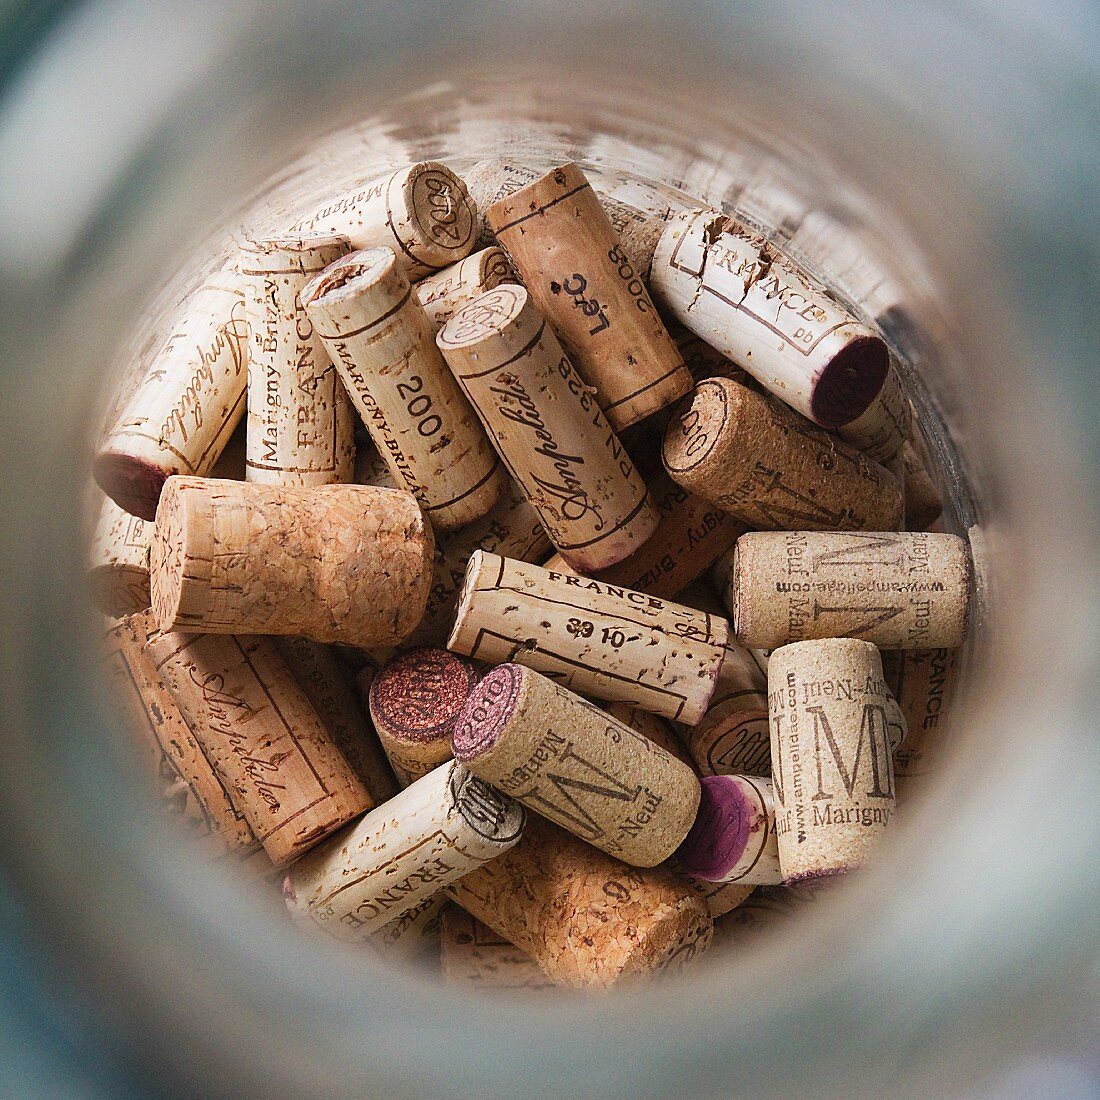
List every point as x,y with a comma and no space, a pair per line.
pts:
168,555
441,215
698,423
419,694
493,268
720,835
850,381
132,483
486,712
486,316
353,274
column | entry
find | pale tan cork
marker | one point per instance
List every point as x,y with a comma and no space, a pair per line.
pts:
899,590
443,826
923,504
562,244
422,211
649,725
547,427
262,736
190,399
563,757
488,181
442,295
300,421
340,563
608,642
473,955
881,431
383,345
118,561
771,468
729,286
832,770
589,921
721,897
179,766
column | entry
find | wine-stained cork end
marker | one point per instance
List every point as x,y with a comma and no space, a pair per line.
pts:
487,711
487,315
132,483
721,832
850,381
419,694
695,426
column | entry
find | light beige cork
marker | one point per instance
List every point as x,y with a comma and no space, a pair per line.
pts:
881,431
383,345
721,897
923,504
832,771
422,211
263,737
443,826
691,533
563,757
549,430
729,286
608,642
705,361
442,295
488,181
340,563
300,422
923,681
415,700
190,399
415,932
184,777
649,725
589,921
118,561
473,955
637,230
562,244
771,468
897,589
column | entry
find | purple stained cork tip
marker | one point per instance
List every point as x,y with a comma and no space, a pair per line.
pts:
850,381
133,484
490,705
721,831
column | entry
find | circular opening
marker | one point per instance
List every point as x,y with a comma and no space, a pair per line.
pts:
850,381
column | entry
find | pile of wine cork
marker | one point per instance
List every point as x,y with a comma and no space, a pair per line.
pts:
528,574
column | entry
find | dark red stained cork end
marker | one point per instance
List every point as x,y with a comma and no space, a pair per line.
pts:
850,381
721,831
486,712
419,694
132,483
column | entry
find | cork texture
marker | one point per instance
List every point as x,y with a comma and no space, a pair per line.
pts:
118,561
383,346
190,399
881,431
649,725
340,563
589,921
300,423
924,682
899,590
436,830
566,759
442,295
772,469
489,181
832,771
580,277
548,429
473,955
720,897
923,504
733,289
608,642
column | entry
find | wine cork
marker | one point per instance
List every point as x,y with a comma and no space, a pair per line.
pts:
923,505
440,828
488,181
638,233
442,295
414,702
900,590
187,404
767,908
340,563
881,431
771,469
831,755
563,757
191,789
578,274
423,212
730,287
300,424
118,561
732,738
262,736
472,954
320,676
720,897
596,638
383,345
923,682
511,529
704,361
691,533
733,838
589,921
649,725
548,429
415,932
